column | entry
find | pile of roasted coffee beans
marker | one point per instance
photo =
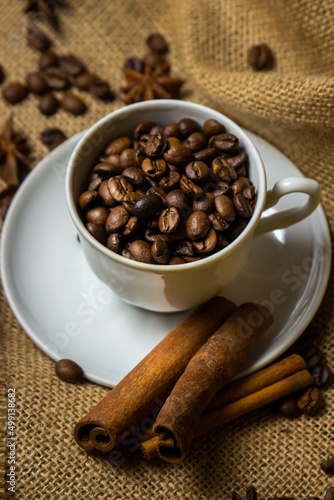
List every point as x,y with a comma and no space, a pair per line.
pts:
309,400
56,74
169,195
251,494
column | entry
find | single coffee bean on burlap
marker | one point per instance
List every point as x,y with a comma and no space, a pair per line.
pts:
48,104
71,64
260,56
14,92
68,371
36,83
322,376
56,78
48,59
50,135
157,43
73,104
101,89
37,39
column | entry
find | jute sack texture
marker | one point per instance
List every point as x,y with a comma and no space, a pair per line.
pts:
291,105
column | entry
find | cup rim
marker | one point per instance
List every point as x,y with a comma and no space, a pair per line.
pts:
165,268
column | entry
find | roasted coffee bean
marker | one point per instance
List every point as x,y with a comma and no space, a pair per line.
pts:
148,206
135,64
73,104
88,199
143,128
206,155
140,250
329,494
157,130
119,187
196,142
48,59
203,202
173,130
310,401
170,181
152,235
50,136
242,206
155,146
328,466
238,159
159,191
259,56
71,64
218,188
48,104
169,220
288,407
322,376
134,175
101,89
36,83
130,200
236,228
189,187
249,192
197,171
68,371
180,233
313,357
56,143
56,78
126,252
14,92
240,184
171,142
98,215
207,244
185,248
178,155
114,159
176,260
117,145
129,158
95,182
2,74
224,142
154,168
213,127
225,207
131,227
84,80
117,219
114,242
198,225
37,39
106,169
223,169
218,222
157,43
176,198
98,231
188,126
105,195
160,251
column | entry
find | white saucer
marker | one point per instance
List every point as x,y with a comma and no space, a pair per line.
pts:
69,313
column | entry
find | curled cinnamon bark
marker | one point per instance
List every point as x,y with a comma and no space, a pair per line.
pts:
212,367
151,380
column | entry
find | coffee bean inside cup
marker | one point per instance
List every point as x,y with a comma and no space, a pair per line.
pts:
169,195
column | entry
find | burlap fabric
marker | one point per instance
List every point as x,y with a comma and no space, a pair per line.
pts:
291,105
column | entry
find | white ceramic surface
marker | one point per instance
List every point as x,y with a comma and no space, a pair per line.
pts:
166,288
69,313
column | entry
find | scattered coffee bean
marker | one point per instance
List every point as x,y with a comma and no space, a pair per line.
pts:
73,104
47,60
52,136
329,494
36,83
37,39
328,466
48,104
71,64
14,92
310,401
166,205
313,357
68,371
322,376
56,78
259,56
288,407
100,89
84,80
157,43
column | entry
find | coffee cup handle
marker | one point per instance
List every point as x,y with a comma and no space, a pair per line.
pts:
288,217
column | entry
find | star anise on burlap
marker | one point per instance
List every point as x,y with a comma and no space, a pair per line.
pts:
14,153
47,9
251,494
150,83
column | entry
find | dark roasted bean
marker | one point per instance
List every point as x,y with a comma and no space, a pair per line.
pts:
117,145
131,227
288,407
203,202
224,142
198,225
225,207
259,56
173,130
48,104
98,215
240,184
98,231
176,198
157,130
157,43
196,142
160,252
154,168
87,199
71,64
197,171
249,192
130,200
114,242
206,155
50,135
189,187
56,78
119,187
329,494
170,181
36,83
313,357
143,128
134,175
310,401
178,155
238,159
105,195
148,206
155,146
14,92
188,126
213,127
159,191
68,371
218,222
106,169
141,251
73,104
207,244
185,248
101,89
152,235
37,39
328,466
242,206
117,219
85,80
169,220
322,376
47,59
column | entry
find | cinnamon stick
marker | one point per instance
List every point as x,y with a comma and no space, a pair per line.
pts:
212,367
231,411
137,394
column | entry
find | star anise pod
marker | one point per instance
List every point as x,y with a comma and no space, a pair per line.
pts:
150,83
13,155
47,9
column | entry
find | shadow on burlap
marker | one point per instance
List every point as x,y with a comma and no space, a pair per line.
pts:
292,106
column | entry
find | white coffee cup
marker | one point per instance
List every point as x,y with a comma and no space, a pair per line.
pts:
168,288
